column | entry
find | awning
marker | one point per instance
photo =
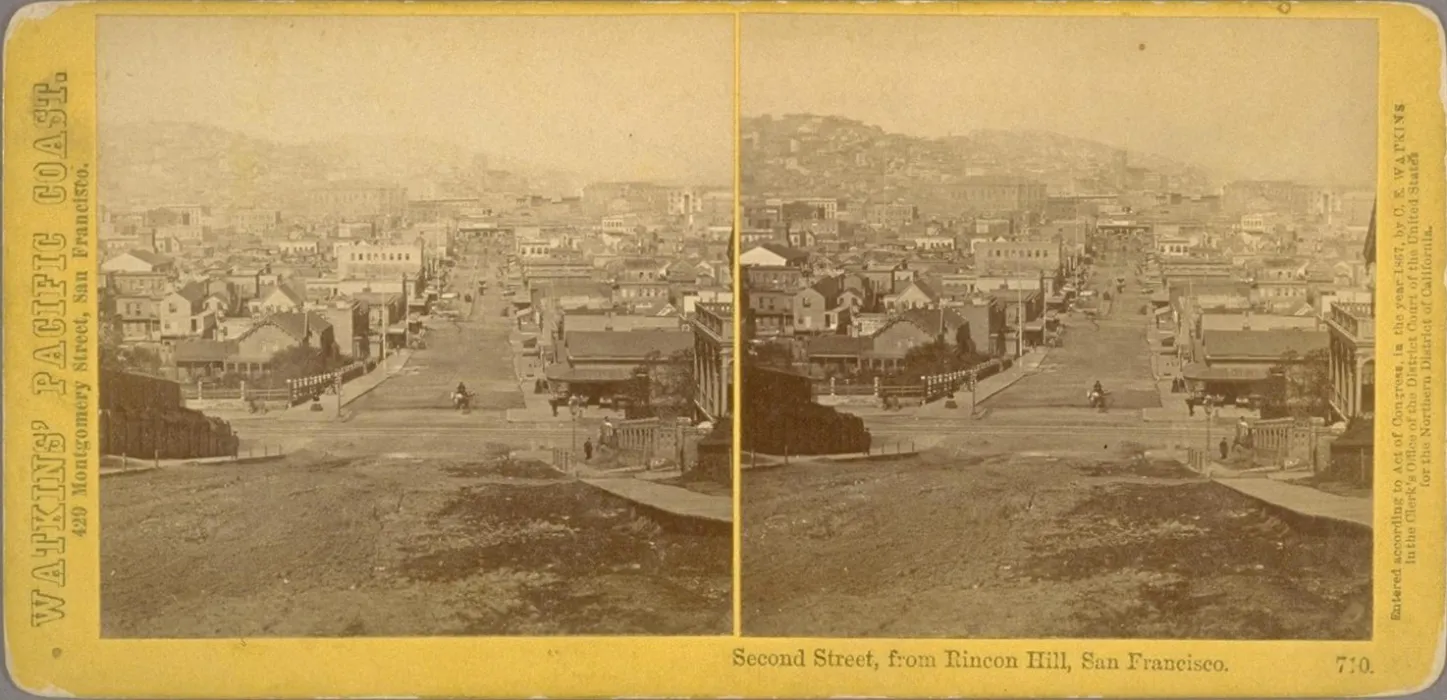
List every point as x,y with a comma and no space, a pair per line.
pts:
1162,310
1200,372
564,373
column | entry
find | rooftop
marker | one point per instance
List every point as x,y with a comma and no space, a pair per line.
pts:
1265,344
629,345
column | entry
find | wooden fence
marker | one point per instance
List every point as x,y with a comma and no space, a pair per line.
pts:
202,392
305,388
878,388
938,386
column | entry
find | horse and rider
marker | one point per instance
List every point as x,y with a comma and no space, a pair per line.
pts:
461,398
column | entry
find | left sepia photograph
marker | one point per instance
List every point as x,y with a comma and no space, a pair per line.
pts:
415,326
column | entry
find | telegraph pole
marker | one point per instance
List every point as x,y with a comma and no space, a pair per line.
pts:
406,324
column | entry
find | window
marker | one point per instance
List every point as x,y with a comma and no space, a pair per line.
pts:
173,308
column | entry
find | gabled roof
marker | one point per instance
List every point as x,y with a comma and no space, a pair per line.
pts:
829,288
294,323
149,257
204,350
924,289
838,345
929,320
193,292
287,292
784,251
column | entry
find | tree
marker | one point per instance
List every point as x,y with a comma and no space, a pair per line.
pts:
772,354
118,356
663,387
1299,386
300,361
964,340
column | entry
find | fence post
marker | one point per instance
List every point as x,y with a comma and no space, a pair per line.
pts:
199,394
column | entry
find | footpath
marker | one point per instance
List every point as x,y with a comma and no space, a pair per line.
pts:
1024,366
1302,500
667,499
641,487
352,390
984,389
1273,487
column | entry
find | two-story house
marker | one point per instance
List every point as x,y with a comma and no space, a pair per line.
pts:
184,315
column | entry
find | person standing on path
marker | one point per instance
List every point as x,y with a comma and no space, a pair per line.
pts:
588,449
1225,449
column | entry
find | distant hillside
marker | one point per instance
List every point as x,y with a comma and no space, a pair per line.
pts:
805,153
171,163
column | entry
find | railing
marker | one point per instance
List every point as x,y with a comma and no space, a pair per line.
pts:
203,392
307,387
833,388
652,439
940,385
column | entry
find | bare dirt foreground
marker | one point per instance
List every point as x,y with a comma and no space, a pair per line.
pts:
1037,545
394,546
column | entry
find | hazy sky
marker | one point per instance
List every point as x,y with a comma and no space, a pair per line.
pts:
620,97
1254,98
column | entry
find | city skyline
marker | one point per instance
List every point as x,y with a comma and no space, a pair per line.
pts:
625,98
1182,84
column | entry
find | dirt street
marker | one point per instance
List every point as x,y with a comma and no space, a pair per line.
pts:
982,541
397,546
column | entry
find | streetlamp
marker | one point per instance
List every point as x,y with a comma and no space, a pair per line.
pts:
573,410
1209,406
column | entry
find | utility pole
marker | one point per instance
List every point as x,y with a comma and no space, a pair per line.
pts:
1209,406
406,324
386,325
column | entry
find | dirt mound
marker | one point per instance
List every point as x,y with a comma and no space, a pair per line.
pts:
1139,466
543,558
567,529
1180,567
504,467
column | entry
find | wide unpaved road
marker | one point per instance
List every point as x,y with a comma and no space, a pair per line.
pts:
407,518
989,540
393,546
1111,350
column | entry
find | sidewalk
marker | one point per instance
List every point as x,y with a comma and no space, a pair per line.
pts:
668,499
1024,366
1303,499
354,389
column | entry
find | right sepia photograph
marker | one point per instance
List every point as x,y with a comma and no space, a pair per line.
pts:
1057,327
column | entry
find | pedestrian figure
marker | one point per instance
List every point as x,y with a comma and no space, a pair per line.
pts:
1225,449
554,404
588,449
1191,405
